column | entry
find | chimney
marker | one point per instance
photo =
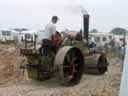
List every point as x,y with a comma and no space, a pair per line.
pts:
86,24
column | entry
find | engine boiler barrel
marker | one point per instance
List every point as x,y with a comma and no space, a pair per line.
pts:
96,64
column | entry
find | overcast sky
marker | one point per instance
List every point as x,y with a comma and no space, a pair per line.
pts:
35,14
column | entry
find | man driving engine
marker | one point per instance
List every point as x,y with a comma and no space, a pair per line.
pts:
50,37
50,28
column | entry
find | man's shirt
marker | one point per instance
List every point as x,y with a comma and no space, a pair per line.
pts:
50,30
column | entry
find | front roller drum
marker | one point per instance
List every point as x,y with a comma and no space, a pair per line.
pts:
96,64
69,63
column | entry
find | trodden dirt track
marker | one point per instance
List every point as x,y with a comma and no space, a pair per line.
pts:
12,83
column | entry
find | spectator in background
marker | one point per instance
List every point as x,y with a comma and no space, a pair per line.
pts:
123,48
122,54
122,51
92,46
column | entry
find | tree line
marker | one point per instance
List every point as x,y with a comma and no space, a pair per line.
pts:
115,31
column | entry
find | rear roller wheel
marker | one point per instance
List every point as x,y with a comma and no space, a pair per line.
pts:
70,66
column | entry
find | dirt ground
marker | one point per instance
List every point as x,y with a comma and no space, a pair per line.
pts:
12,82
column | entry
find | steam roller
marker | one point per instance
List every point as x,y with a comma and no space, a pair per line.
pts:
67,57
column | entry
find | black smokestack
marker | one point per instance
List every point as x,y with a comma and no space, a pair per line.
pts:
86,25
